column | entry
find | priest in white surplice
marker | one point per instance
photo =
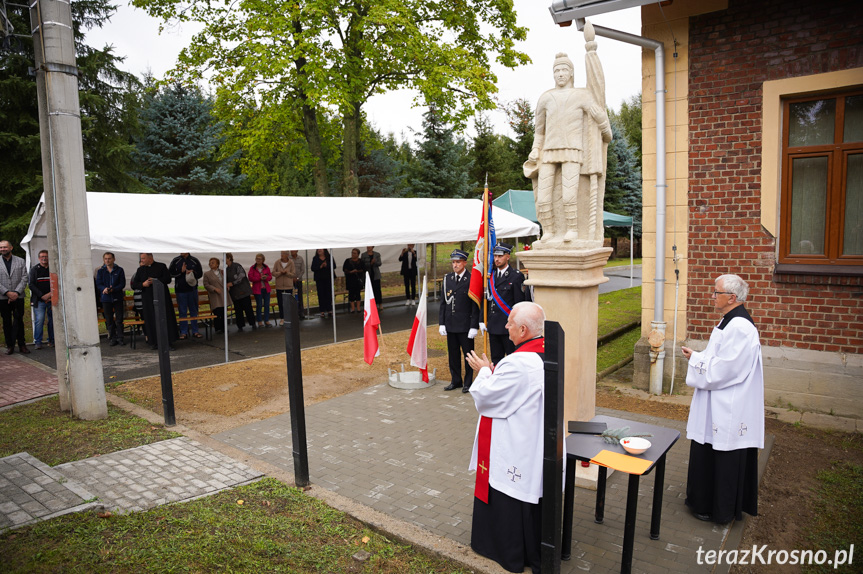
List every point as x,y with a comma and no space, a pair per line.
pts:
726,418
507,450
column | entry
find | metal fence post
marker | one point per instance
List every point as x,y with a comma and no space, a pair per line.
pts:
159,306
552,463
295,390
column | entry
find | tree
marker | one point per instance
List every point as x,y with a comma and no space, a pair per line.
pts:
441,166
326,54
520,115
382,173
629,117
492,156
108,106
622,183
179,146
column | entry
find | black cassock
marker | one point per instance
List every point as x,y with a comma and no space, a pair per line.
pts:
155,271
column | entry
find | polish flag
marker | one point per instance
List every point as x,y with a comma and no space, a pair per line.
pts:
370,324
417,344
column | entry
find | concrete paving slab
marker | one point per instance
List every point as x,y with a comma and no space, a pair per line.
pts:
30,491
405,453
168,471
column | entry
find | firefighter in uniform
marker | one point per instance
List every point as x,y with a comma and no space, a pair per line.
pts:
459,320
509,284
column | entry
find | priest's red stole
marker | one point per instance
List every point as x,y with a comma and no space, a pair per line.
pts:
482,462
483,454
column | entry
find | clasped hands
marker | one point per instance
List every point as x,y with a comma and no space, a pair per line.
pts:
475,362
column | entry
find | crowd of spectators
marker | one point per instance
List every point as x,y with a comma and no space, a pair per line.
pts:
232,286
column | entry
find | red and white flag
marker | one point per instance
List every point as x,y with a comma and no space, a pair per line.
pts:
370,324
417,344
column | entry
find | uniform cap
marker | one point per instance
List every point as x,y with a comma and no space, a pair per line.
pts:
502,249
458,254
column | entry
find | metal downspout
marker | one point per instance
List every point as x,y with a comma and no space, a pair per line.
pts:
656,338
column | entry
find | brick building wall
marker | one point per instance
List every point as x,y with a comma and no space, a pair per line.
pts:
731,53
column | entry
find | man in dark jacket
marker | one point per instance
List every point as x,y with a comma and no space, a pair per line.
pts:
40,300
409,273
459,320
143,280
111,288
186,270
509,287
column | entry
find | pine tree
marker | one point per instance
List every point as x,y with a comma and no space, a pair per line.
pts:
382,173
492,157
629,117
108,106
622,183
441,166
178,151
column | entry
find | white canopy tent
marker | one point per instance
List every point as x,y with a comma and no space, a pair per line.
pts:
211,225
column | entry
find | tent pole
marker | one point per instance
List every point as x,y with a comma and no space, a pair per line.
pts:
305,276
225,300
434,267
631,258
333,293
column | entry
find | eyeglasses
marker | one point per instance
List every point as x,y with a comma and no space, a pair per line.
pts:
715,293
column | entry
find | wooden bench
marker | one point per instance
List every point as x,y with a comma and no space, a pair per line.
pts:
135,323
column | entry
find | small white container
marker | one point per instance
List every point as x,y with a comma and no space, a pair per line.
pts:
634,444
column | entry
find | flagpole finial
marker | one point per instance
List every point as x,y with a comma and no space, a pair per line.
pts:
486,180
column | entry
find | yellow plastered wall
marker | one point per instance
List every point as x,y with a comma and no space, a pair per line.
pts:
655,27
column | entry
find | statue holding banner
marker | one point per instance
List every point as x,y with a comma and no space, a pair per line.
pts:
568,161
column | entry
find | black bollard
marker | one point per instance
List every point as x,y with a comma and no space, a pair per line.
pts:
552,463
295,390
159,303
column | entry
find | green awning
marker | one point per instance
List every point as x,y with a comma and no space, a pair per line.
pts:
520,202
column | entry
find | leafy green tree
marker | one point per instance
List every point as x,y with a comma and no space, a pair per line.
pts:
108,104
309,55
178,151
441,167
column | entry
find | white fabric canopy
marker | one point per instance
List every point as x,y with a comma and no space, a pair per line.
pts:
212,224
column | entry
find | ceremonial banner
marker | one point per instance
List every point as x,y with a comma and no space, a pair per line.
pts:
370,324
483,252
417,344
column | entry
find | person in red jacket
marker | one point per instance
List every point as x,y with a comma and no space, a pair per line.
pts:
260,277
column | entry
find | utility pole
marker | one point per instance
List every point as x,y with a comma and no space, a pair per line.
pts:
79,358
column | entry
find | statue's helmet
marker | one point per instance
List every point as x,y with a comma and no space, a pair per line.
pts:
562,59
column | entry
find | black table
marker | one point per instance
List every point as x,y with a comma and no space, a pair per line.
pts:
584,447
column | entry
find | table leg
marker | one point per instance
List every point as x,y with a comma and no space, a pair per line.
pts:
658,489
599,516
568,503
629,524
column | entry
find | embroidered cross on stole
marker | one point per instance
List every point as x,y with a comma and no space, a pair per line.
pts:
482,462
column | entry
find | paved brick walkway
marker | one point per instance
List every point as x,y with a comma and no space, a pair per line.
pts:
22,379
30,490
125,481
405,453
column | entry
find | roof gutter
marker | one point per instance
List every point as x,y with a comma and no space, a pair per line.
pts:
657,334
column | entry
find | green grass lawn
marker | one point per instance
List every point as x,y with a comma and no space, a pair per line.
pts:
56,437
262,527
839,506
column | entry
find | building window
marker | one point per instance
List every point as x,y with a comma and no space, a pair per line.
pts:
822,189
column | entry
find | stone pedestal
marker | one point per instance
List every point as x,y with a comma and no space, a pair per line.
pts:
566,285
